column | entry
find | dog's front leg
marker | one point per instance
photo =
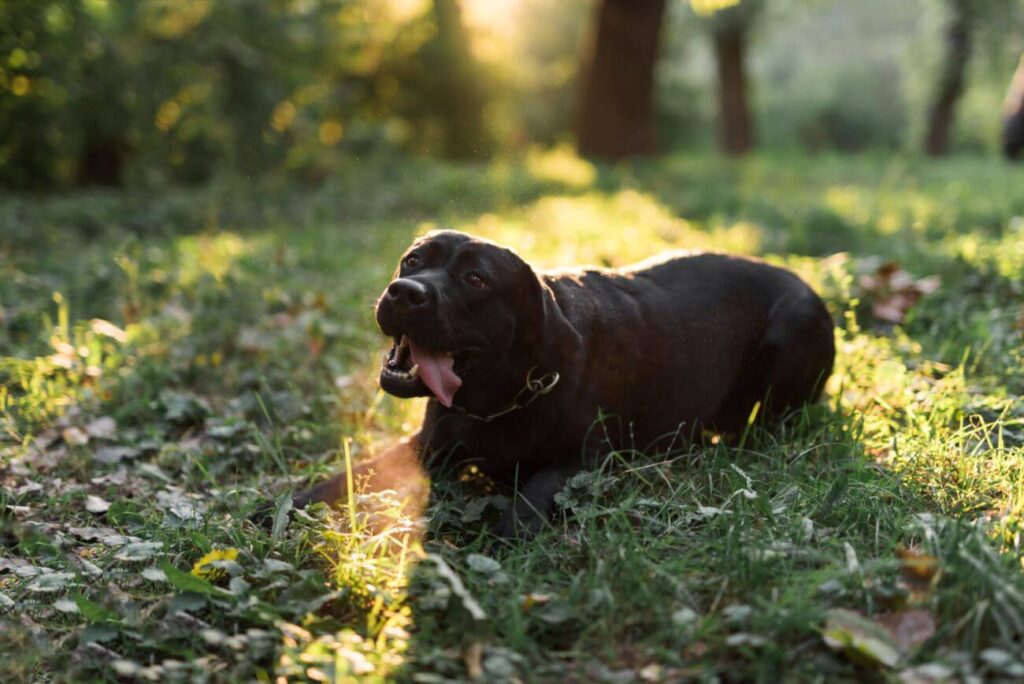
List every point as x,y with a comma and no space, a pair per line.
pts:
535,502
397,468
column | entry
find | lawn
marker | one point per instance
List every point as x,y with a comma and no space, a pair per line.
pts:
173,362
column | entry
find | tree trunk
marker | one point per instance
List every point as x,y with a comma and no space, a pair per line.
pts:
462,99
616,118
1013,116
733,111
101,161
951,82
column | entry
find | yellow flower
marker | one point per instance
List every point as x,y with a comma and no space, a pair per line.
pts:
204,566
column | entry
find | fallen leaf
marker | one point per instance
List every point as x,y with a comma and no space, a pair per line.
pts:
861,639
183,506
154,575
929,673
118,477
745,639
28,488
91,533
909,628
274,565
139,551
893,292
482,564
919,572
108,329
530,600
126,668
114,454
102,428
50,582
19,567
472,655
684,617
916,563
96,504
75,436
651,673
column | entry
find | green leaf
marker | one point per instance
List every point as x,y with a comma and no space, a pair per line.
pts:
281,517
458,589
104,632
94,612
186,581
861,639
483,564
187,600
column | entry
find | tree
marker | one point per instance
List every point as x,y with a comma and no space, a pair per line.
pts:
616,116
730,29
951,78
456,93
1013,116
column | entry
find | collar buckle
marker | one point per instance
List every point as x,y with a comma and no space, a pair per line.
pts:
534,387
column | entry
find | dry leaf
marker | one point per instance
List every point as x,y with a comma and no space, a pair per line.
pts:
919,572
861,639
472,655
96,504
893,292
531,600
886,640
75,436
102,428
909,628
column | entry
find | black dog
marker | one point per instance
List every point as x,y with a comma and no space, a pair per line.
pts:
519,365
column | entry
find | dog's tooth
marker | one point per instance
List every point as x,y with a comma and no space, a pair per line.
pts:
384,359
404,342
414,371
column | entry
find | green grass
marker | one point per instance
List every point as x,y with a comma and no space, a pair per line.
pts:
210,349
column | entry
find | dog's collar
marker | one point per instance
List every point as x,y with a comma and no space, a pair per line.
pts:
534,388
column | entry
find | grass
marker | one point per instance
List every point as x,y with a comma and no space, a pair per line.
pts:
172,363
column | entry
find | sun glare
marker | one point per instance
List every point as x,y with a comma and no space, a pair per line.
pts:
491,25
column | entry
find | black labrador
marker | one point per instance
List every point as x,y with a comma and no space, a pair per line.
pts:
532,376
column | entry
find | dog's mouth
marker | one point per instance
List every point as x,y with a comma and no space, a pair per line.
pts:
410,369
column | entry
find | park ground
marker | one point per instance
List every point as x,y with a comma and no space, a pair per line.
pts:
173,362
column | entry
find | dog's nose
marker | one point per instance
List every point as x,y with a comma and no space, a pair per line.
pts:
407,293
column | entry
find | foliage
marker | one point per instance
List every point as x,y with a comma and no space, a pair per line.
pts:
234,333
106,92
144,94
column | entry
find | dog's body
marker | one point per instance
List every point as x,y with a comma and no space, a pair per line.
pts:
522,366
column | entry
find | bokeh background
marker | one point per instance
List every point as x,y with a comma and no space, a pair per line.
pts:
108,92
200,201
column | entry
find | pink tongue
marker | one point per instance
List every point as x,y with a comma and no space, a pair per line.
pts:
436,373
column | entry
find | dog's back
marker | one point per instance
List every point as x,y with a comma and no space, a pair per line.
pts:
697,340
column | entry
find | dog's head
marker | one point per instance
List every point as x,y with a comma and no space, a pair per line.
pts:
463,313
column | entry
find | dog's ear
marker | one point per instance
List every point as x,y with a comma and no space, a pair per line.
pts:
542,329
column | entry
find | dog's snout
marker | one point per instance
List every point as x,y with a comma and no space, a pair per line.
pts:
407,293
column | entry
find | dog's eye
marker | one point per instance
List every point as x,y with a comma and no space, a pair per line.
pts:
411,261
474,279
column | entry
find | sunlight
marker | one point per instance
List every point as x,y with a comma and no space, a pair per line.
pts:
372,543
560,165
607,230
491,25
